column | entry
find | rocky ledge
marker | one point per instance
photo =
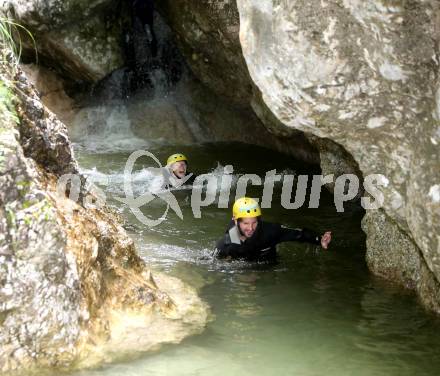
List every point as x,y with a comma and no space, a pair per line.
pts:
73,291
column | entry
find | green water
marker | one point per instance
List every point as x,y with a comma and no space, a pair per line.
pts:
312,313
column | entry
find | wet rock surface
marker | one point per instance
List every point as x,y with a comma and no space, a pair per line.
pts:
80,38
72,288
392,254
357,79
362,74
51,90
207,34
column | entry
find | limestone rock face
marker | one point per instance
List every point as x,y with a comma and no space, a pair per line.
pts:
78,37
362,74
393,255
207,35
72,288
359,79
51,90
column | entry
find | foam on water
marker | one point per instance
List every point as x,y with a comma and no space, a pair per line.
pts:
147,179
105,128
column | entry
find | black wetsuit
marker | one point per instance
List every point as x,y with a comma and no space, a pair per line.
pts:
262,245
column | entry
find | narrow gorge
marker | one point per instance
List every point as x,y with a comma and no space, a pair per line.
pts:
331,87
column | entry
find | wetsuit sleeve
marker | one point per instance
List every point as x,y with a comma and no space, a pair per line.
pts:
225,249
190,181
300,235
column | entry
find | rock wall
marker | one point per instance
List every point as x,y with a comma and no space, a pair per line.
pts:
51,89
207,34
393,255
364,75
82,39
73,291
358,79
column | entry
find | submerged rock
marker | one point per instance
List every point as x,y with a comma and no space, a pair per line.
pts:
73,290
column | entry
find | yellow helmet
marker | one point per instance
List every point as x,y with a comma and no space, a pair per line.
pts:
176,158
246,207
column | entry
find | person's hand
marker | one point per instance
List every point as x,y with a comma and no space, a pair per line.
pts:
325,239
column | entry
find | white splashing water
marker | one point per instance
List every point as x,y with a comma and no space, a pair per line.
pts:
104,129
145,180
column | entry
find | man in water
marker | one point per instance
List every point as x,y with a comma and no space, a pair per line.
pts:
250,238
177,171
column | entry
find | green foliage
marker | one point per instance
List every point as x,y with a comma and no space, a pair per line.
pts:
11,40
10,217
10,53
23,187
7,110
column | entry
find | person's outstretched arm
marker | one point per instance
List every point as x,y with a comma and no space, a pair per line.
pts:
304,235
